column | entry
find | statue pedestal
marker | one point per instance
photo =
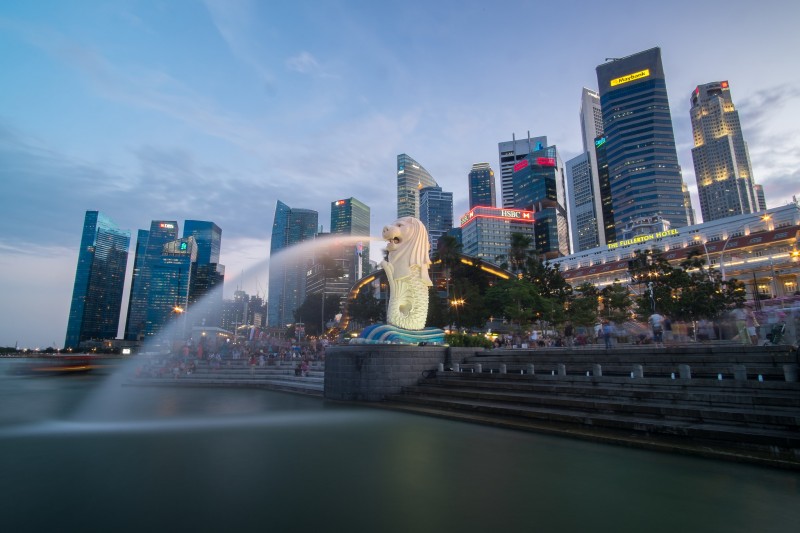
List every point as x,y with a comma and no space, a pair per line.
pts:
370,372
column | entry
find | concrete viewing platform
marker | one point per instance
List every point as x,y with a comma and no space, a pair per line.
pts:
724,401
279,376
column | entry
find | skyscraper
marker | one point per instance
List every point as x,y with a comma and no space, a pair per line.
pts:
287,275
436,213
352,217
99,280
762,200
205,292
583,217
510,153
591,116
643,167
481,186
169,285
411,177
149,245
721,162
538,182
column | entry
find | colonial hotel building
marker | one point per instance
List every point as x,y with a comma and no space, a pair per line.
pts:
760,249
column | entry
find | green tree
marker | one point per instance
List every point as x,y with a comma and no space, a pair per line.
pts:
616,301
365,309
312,314
583,305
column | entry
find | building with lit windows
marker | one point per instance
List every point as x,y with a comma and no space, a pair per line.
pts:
643,167
721,162
352,217
287,272
170,283
538,181
582,209
510,153
149,245
481,186
435,213
486,231
99,280
762,250
411,177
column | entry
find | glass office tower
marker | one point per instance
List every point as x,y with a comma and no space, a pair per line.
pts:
208,276
149,245
352,217
287,275
481,186
411,177
436,213
642,161
99,280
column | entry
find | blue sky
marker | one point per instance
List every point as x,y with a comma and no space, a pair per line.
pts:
214,110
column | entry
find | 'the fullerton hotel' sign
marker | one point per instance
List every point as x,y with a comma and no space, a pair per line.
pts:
642,238
519,215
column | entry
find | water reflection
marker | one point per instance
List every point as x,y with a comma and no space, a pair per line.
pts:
213,459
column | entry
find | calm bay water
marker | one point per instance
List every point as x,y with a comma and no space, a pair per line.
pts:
84,453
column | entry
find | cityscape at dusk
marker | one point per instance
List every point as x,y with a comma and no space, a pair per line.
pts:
218,110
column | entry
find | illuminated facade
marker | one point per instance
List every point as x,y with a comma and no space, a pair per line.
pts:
411,177
643,168
762,250
721,162
510,153
538,181
486,231
352,217
170,283
99,280
481,186
149,245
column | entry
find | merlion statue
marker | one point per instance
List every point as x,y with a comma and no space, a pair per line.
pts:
407,272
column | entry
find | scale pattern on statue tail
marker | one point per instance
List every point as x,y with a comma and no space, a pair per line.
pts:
388,334
408,303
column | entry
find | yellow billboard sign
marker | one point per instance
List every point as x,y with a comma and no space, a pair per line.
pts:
631,77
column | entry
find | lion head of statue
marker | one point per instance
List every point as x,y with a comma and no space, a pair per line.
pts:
408,247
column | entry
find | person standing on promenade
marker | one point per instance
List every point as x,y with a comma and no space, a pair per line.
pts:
568,334
751,323
656,322
608,332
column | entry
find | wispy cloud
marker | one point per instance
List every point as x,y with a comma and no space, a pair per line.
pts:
304,63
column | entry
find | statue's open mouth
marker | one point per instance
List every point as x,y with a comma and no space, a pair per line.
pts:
396,240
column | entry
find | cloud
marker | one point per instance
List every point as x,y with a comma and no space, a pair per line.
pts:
303,63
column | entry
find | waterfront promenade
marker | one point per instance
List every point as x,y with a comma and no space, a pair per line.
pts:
719,400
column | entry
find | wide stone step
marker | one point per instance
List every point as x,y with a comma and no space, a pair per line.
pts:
733,436
773,418
764,395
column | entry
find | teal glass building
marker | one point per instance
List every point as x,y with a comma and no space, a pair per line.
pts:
149,245
208,276
352,217
99,281
287,274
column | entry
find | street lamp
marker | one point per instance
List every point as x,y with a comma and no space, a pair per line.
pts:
708,257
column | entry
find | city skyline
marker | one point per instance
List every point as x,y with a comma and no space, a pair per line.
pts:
216,110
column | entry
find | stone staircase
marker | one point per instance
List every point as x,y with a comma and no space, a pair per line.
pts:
280,376
728,402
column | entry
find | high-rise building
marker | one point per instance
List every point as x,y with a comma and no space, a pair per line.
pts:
168,292
205,293
486,231
606,226
287,274
721,162
591,117
583,217
352,217
149,245
99,280
510,153
436,213
760,198
411,177
642,161
538,182
481,186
